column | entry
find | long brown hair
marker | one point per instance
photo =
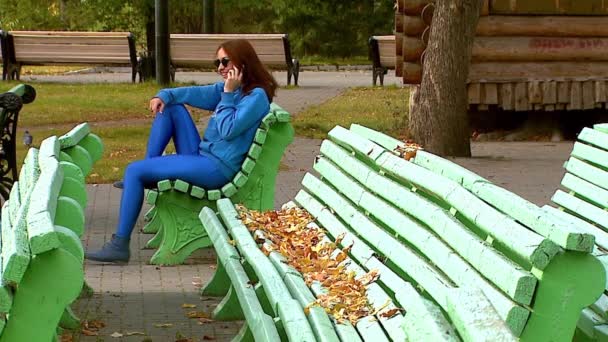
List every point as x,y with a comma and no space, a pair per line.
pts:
244,57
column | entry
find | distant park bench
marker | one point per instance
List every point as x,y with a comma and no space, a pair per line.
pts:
63,47
382,50
198,50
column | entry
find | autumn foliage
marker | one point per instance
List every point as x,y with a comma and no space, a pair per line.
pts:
307,249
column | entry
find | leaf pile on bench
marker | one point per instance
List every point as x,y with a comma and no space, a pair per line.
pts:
464,258
312,254
42,256
176,203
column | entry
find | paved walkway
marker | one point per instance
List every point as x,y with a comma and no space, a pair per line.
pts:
141,302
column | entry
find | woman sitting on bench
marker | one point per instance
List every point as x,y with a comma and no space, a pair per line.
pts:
240,102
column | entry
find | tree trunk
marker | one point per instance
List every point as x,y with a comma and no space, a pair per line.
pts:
439,120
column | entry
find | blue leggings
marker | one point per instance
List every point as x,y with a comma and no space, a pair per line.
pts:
188,165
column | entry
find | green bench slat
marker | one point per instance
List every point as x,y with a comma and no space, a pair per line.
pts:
254,151
527,245
29,172
515,316
74,136
229,190
49,148
515,206
269,120
181,186
587,172
602,127
317,317
248,165
472,316
292,316
532,216
496,267
261,327
164,185
151,197
601,237
351,141
583,188
214,195
383,140
260,136
15,248
581,208
594,137
70,242
240,179
591,154
197,192
42,210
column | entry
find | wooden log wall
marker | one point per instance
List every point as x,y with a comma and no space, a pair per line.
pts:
412,20
557,61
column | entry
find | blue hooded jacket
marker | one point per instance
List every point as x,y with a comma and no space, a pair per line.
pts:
232,126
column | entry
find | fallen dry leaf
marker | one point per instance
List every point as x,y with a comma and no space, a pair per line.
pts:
390,313
188,306
208,338
408,150
204,320
197,314
163,325
116,334
135,333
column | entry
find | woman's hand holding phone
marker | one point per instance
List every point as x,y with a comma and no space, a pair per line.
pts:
233,80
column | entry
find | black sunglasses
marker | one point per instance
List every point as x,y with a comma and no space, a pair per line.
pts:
224,62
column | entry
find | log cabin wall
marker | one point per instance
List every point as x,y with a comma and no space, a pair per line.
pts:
527,54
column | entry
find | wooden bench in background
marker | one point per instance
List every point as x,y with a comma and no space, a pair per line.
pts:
459,256
382,53
64,47
198,50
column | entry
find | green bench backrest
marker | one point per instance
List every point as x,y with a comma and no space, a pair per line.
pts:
260,165
583,203
442,237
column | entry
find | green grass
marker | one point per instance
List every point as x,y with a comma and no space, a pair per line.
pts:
383,109
118,114
59,103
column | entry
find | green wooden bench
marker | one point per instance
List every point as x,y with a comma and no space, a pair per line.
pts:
42,256
583,201
176,204
464,258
